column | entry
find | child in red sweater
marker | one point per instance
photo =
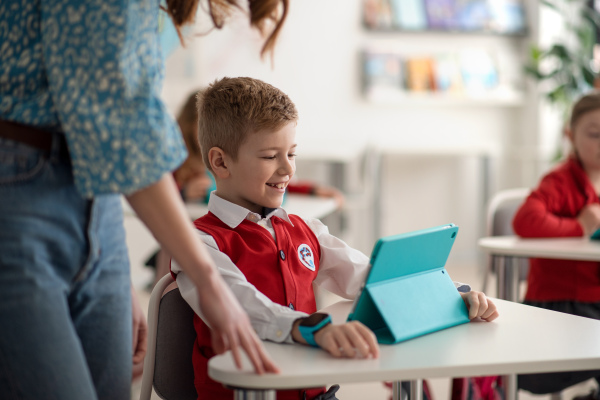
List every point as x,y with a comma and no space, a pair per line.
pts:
271,259
566,204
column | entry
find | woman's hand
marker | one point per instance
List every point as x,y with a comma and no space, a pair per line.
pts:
230,326
480,306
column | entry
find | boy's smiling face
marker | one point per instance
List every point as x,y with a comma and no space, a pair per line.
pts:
264,167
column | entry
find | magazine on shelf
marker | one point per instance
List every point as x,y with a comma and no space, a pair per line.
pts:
447,74
440,14
479,72
383,74
377,14
472,15
409,14
420,74
507,16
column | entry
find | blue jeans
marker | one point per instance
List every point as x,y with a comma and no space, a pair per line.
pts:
65,306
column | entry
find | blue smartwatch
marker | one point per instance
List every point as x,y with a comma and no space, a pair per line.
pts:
311,325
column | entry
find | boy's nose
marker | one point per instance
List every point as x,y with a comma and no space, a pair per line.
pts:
287,167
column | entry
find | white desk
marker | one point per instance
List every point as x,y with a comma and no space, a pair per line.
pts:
302,205
508,247
522,340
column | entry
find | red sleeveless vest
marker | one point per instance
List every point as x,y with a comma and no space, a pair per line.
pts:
275,268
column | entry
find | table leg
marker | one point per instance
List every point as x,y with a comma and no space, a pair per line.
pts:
508,277
414,392
397,390
247,394
510,387
508,289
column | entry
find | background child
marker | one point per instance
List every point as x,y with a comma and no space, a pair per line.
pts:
566,204
269,258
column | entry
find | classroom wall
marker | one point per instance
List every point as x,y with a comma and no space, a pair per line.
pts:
317,64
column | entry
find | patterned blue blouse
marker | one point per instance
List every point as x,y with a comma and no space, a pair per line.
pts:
93,70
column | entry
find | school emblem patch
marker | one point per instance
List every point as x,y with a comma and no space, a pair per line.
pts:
306,257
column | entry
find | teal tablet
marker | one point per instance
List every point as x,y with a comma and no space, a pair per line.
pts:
408,292
595,235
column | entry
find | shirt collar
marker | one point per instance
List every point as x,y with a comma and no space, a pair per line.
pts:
233,215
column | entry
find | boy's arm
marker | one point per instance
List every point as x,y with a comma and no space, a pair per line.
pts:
342,269
270,320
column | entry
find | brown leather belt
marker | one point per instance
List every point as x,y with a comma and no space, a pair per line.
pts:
26,134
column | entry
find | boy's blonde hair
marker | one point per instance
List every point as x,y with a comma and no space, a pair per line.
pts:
587,103
232,108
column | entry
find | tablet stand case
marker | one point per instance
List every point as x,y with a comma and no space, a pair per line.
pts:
422,299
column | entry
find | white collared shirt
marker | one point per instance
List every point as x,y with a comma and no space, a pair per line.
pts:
342,270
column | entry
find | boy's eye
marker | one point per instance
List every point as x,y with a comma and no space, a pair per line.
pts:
269,157
293,155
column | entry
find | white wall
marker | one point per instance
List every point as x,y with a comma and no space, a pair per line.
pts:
317,64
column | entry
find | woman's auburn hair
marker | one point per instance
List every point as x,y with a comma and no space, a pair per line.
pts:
183,12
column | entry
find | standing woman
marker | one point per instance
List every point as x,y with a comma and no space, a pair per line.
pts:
81,121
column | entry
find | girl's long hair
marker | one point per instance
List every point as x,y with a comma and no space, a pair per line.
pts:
262,14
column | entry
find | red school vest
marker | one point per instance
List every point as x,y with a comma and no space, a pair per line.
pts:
283,271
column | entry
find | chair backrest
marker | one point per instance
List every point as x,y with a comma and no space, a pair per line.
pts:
501,210
175,337
171,336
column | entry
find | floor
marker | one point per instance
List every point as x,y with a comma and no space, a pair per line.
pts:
142,244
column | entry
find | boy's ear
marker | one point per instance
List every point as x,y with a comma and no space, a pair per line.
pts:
218,164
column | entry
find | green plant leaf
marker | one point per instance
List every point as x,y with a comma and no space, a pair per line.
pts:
591,15
535,53
588,75
559,50
550,4
533,71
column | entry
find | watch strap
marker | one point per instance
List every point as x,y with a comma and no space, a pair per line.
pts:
308,332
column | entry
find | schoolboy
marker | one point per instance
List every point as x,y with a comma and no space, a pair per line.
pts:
269,258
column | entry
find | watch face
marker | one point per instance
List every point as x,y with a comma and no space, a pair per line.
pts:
313,319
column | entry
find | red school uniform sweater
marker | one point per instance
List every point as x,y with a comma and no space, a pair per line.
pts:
551,211
284,271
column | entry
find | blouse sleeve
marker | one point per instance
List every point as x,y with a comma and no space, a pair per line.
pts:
104,70
542,214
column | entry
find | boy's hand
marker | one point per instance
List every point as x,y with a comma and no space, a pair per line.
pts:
589,218
351,340
480,306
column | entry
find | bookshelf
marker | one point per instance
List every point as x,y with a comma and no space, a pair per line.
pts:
443,52
495,17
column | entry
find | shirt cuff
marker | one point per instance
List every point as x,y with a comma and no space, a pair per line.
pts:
279,330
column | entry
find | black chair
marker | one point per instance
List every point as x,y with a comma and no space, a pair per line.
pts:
171,336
